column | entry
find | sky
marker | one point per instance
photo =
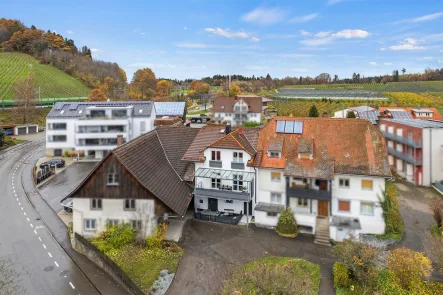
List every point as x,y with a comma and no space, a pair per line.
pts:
193,39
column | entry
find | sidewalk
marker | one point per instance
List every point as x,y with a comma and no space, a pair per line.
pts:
103,282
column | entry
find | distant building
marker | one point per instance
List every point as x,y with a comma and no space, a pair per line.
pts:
415,149
170,109
238,109
361,112
410,113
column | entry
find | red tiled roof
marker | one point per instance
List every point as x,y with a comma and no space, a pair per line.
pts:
343,146
226,104
436,114
234,140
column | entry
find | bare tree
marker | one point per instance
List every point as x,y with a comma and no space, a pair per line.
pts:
9,279
25,98
436,208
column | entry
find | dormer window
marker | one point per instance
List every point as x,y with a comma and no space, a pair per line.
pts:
305,156
273,154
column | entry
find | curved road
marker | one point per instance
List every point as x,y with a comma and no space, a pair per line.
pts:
44,266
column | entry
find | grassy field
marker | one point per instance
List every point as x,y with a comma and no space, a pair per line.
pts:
9,117
52,81
421,86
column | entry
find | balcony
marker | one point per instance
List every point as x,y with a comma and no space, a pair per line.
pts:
226,194
240,110
302,192
404,140
238,165
405,157
101,129
215,164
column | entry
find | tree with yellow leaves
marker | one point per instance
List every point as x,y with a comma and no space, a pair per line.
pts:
143,84
163,87
235,90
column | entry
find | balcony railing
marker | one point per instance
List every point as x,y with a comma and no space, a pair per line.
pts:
222,194
215,164
408,158
101,131
238,165
302,192
404,140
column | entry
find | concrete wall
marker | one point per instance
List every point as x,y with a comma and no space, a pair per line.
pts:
432,155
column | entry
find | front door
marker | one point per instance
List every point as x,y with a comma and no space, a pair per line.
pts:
323,208
213,204
249,209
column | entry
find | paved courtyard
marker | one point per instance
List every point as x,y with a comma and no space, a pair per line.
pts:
213,250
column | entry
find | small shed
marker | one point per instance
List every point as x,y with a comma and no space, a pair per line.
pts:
22,129
9,128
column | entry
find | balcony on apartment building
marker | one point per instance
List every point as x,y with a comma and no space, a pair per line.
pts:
98,142
308,188
95,114
409,141
102,129
408,157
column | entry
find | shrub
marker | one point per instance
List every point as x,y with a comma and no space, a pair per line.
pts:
391,213
313,112
66,154
388,283
350,115
436,208
287,226
2,136
409,266
340,275
115,237
155,240
436,250
394,222
250,124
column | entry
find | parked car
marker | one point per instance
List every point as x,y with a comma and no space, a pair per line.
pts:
9,132
67,206
53,163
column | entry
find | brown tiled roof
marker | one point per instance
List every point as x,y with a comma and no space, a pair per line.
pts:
436,114
276,144
154,159
226,104
306,145
167,121
343,146
234,140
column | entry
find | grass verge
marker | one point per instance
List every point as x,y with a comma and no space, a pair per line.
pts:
10,141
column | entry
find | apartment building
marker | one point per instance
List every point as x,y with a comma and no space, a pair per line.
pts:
238,109
410,113
415,149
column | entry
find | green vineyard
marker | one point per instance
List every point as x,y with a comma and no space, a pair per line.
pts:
420,86
52,81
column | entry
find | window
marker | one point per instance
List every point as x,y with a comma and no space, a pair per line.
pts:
112,176
136,225
96,204
366,208
366,184
276,198
274,155
201,201
112,222
343,183
58,126
129,205
97,114
57,138
215,182
142,126
275,176
90,224
237,182
238,157
302,203
344,206
215,156
271,214
119,113
229,201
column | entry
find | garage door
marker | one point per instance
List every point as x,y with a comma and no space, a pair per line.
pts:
32,129
21,130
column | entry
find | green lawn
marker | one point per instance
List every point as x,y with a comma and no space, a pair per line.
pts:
10,141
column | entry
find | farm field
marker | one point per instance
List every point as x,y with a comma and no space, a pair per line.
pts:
52,81
420,86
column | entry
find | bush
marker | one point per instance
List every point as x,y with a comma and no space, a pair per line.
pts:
250,124
340,275
114,237
287,226
389,284
391,212
436,208
409,266
66,154
2,136
155,240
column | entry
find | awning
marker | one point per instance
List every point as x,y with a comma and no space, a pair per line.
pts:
224,174
268,207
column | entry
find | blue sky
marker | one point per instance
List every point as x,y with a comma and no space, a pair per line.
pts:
192,39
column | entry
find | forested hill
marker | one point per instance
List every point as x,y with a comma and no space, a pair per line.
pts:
53,49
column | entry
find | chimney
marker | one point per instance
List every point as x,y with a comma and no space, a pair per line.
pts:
228,129
119,140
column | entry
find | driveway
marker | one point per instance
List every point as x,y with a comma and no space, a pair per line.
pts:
212,251
58,187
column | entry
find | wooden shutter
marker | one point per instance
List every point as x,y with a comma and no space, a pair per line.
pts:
344,206
366,184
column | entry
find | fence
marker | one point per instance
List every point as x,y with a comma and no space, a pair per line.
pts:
111,267
42,174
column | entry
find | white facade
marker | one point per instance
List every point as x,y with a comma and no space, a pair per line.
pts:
432,155
240,114
94,130
89,222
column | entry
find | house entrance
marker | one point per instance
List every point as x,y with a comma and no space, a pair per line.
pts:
213,204
323,208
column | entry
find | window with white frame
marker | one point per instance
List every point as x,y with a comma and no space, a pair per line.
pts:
237,157
271,214
343,182
96,204
112,176
367,208
136,225
274,154
90,224
215,182
129,204
302,203
215,156
142,126
237,183
276,198
112,222
275,176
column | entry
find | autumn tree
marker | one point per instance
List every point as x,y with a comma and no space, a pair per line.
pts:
25,98
235,90
55,41
143,84
22,40
98,94
163,87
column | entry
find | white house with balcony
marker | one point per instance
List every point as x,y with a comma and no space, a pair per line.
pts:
238,109
93,128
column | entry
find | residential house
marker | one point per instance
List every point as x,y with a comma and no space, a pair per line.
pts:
330,172
137,183
361,112
238,109
415,149
92,128
410,113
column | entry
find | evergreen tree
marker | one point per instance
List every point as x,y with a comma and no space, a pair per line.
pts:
313,112
350,115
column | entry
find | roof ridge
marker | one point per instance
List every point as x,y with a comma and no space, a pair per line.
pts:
249,142
167,158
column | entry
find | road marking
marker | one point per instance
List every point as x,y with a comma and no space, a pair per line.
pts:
72,286
17,198
19,204
31,225
55,262
49,253
24,213
44,246
22,208
27,218
40,239
35,231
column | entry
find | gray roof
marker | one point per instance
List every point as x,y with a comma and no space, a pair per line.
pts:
417,123
175,108
77,109
361,108
268,207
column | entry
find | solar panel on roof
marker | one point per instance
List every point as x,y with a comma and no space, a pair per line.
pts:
280,127
58,106
298,127
73,106
289,127
401,115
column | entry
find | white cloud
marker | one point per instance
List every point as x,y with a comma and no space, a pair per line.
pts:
304,33
280,36
198,67
300,70
69,32
428,58
322,34
440,61
96,50
254,39
172,66
227,33
264,16
142,33
408,44
427,17
185,28
332,2
191,45
372,63
441,50
387,63
317,42
348,34
305,18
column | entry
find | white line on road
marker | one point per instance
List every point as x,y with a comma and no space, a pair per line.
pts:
24,213
27,218
72,286
40,239
44,246
55,262
22,208
19,204
31,225
35,231
49,253
17,198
